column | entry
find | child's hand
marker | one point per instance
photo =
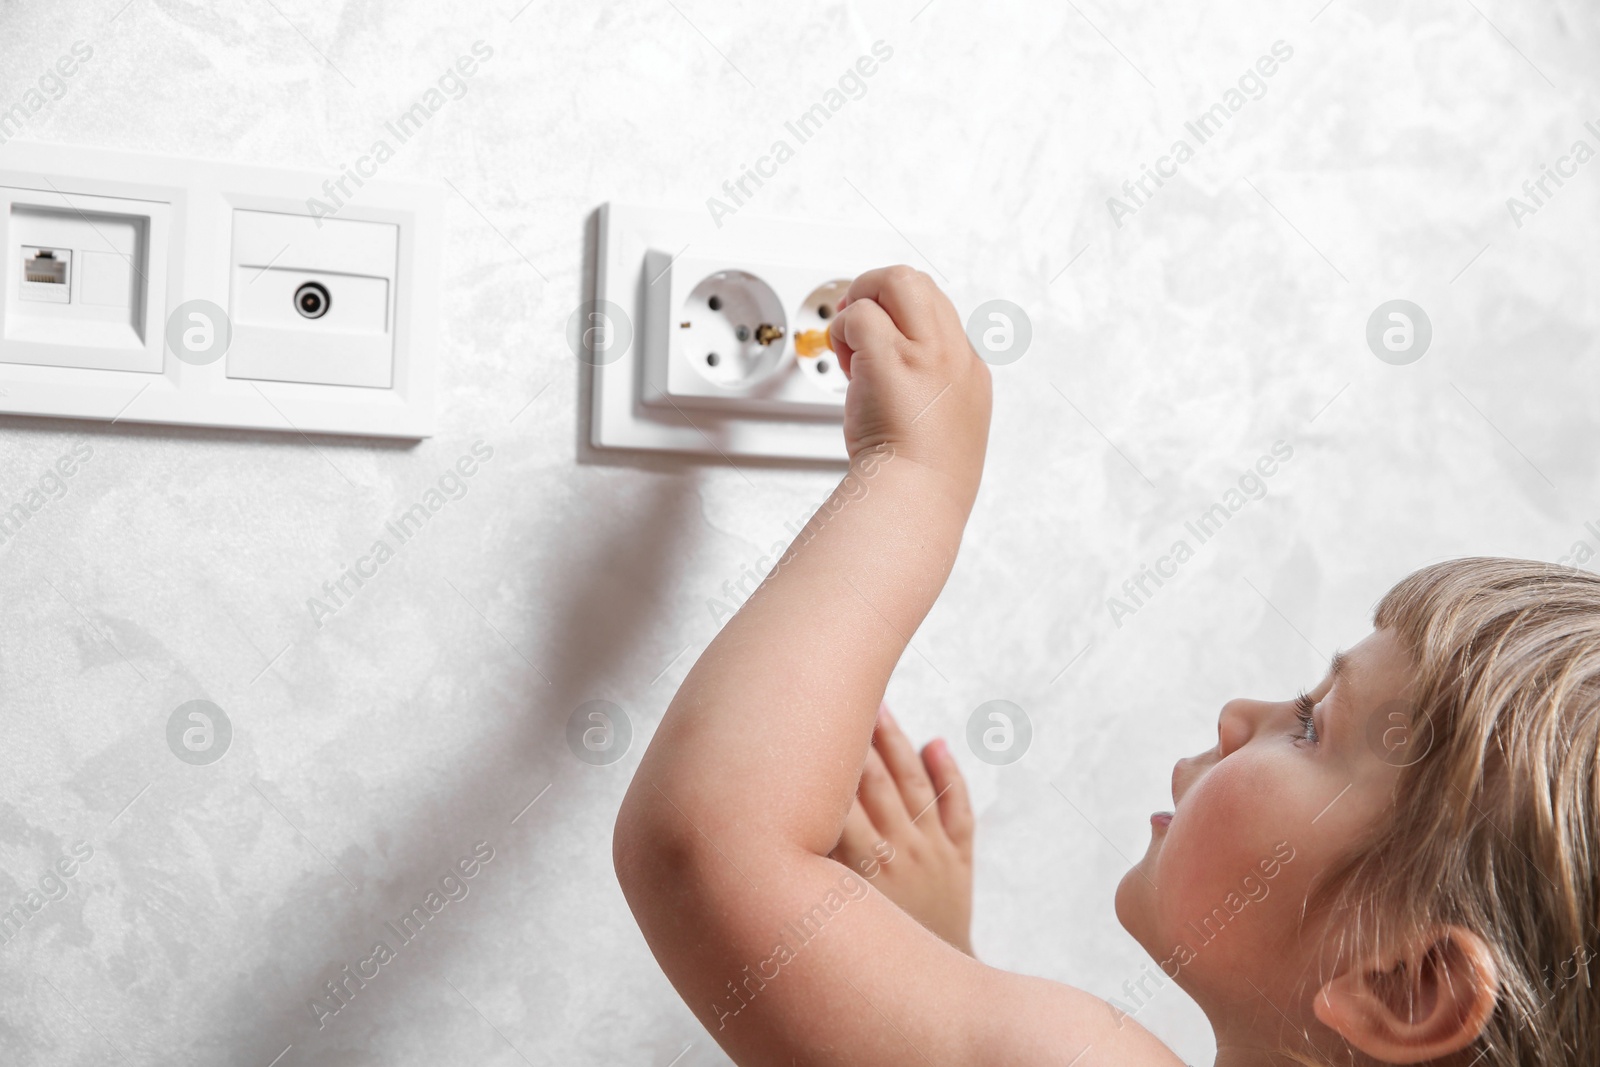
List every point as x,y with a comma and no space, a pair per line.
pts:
920,807
915,382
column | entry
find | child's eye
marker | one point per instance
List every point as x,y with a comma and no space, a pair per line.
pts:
1303,707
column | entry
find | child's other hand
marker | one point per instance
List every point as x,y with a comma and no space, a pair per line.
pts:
915,382
920,808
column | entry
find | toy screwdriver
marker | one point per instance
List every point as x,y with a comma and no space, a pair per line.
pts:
812,342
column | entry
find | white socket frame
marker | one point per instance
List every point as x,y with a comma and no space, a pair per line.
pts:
192,205
641,401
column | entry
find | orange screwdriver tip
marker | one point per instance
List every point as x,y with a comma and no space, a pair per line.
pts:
811,342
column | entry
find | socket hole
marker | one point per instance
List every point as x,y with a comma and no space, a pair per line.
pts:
711,359
715,303
816,313
312,300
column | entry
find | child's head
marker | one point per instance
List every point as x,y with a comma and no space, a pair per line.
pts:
1411,873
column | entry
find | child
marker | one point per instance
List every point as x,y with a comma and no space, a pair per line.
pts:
1400,866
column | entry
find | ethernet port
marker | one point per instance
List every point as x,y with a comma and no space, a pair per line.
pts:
46,274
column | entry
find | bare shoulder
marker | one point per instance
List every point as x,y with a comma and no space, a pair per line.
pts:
1044,1022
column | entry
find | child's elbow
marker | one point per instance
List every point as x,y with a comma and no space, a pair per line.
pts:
643,851
625,845
627,852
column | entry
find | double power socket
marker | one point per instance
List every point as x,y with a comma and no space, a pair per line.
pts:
718,344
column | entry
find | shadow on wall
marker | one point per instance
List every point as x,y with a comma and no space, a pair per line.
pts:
596,608
592,628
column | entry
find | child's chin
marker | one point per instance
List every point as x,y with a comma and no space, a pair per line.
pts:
1133,904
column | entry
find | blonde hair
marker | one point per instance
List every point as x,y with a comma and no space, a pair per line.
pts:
1496,818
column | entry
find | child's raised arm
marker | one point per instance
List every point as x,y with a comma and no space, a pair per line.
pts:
722,842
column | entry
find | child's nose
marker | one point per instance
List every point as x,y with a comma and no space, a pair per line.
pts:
1236,725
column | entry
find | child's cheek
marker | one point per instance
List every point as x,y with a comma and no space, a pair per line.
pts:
1224,829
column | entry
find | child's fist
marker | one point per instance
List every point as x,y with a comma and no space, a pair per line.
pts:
915,382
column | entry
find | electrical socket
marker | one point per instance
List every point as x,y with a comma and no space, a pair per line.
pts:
697,376
719,335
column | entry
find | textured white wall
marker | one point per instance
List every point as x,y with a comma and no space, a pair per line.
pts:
1168,354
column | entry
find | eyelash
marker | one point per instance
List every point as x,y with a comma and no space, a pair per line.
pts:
1303,707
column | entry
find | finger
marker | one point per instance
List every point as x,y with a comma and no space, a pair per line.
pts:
861,325
955,805
909,296
880,797
907,770
858,837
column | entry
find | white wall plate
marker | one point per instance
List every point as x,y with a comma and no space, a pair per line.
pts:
688,371
148,288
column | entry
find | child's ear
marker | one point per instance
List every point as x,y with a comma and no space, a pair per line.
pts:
1427,1001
